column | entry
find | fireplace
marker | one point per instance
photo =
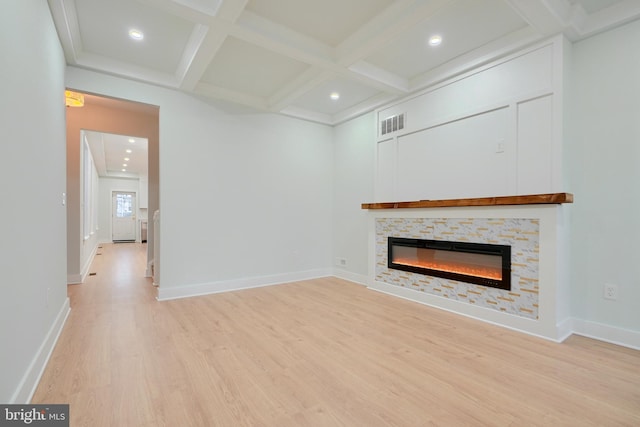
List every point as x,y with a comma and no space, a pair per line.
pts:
478,263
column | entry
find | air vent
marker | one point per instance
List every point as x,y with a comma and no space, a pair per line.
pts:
392,124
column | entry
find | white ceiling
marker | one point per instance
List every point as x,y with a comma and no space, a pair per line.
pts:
287,56
109,152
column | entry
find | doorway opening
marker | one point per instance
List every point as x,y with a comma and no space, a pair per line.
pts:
114,168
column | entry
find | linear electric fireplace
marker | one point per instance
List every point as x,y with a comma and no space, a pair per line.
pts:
479,263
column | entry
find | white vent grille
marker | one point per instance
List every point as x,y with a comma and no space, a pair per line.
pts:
392,124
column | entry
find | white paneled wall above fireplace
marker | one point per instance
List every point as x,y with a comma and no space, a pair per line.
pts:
494,131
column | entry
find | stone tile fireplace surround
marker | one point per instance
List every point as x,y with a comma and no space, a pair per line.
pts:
538,301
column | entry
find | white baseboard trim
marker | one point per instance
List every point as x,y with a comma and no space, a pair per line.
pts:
87,264
31,378
509,321
76,279
360,279
565,329
607,333
238,284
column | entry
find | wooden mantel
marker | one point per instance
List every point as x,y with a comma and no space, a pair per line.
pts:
532,199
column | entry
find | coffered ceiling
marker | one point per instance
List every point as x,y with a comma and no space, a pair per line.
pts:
288,56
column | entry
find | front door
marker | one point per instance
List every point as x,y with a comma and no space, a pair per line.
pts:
123,217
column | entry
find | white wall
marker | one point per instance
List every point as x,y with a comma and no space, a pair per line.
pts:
241,196
33,293
353,185
604,162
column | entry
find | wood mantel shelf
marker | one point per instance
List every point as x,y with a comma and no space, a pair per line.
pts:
532,199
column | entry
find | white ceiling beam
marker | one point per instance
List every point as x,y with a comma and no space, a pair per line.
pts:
261,32
394,21
181,10
212,10
130,71
304,114
66,21
218,92
617,14
400,17
308,80
547,19
371,74
205,42
202,47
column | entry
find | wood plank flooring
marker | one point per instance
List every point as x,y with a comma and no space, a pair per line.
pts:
322,352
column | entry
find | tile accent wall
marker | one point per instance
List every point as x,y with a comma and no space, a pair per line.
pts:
520,233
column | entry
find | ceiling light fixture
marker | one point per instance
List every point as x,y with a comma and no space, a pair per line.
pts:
334,96
435,40
131,140
128,150
136,34
73,99
124,170
126,159
124,164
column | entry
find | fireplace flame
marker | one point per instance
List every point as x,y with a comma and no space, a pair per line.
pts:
453,267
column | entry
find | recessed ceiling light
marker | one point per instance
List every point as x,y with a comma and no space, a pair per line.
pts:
136,34
128,150
334,96
131,140
435,40
124,170
126,159
124,164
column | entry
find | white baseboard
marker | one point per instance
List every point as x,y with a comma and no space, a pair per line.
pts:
237,284
360,279
606,333
87,264
76,279
565,329
31,378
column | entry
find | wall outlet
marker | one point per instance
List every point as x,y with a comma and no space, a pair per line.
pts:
610,291
342,262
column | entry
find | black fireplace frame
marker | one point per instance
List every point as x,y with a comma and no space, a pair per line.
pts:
480,248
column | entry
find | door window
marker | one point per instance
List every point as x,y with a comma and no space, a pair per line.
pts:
124,205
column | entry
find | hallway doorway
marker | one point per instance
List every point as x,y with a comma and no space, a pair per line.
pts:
111,118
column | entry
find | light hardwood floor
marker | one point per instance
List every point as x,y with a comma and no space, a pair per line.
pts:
322,352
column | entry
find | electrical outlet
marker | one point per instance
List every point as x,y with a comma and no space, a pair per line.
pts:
342,262
610,291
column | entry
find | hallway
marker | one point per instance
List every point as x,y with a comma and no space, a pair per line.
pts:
104,352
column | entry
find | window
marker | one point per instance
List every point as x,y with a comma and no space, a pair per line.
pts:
124,205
